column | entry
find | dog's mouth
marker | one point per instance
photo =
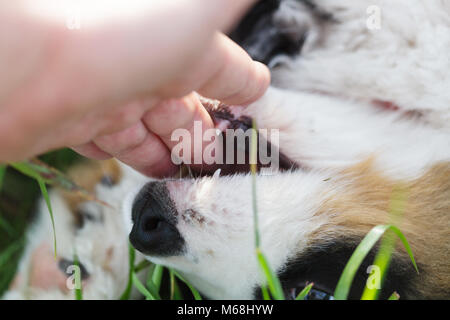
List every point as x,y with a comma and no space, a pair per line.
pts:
227,118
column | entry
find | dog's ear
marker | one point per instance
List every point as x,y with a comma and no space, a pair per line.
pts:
260,35
275,28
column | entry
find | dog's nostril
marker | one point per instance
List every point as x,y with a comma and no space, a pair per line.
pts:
152,224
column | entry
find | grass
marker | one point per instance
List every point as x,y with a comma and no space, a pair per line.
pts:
78,284
17,202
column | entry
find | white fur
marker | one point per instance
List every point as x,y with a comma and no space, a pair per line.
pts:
323,132
327,121
405,62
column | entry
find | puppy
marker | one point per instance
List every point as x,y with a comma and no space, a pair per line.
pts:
362,112
91,231
362,108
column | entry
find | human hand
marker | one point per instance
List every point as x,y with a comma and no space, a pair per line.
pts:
122,83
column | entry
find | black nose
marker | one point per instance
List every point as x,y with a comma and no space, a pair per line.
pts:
154,222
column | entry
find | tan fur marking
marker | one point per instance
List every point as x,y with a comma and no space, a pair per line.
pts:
88,175
365,202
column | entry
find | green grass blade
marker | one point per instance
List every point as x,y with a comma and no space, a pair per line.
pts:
394,296
302,295
153,290
38,170
27,170
265,293
78,291
5,225
6,255
382,261
131,258
383,258
406,245
141,288
142,266
253,169
49,206
175,293
195,293
361,251
2,175
157,276
272,281
358,256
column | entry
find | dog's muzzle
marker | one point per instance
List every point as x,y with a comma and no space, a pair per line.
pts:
154,219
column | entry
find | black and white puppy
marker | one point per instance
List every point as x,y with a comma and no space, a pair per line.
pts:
360,98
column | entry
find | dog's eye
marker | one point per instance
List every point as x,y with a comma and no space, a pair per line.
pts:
87,212
68,268
84,216
107,181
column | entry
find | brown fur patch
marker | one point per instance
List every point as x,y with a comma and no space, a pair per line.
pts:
88,175
366,202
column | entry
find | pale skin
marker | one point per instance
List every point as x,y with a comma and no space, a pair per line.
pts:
119,89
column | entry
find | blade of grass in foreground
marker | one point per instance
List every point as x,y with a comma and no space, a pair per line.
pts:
383,257
150,285
6,255
265,292
195,293
49,206
2,175
363,249
394,296
131,257
302,295
142,266
152,289
7,227
38,170
175,293
253,170
157,276
78,284
272,281
142,289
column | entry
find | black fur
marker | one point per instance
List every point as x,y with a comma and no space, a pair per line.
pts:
323,265
263,39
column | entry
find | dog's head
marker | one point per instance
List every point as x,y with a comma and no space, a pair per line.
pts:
310,223
87,231
204,228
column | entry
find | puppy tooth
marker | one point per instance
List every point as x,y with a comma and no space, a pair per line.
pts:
216,174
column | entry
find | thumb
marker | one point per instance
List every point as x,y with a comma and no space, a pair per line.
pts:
226,13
